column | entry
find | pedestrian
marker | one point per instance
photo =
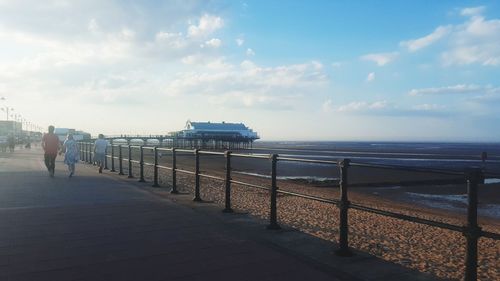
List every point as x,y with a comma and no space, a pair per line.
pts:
100,147
50,145
28,143
12,142
71,154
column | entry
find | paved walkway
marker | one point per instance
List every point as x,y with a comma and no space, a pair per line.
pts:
105,227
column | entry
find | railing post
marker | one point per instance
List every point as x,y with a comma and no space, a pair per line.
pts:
227,208
91,154
106,158
273,215
86,153
130,174
155,168
89,151
174,172
343,206
197,176
112,158
141,165
87,157
82,149
82,153
473,231
120,159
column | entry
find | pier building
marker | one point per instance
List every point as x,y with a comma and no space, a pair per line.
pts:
208,134
77,135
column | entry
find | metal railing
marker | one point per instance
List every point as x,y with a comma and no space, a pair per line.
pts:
471,177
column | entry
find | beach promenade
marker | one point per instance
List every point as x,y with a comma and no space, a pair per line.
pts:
106,227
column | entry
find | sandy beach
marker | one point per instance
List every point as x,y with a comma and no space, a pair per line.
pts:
429,249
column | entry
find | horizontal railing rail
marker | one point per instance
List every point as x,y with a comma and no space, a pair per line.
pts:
408,169
472,177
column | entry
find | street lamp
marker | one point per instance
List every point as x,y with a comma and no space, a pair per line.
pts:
7,110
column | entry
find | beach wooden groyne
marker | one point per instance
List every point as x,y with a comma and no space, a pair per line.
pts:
472,177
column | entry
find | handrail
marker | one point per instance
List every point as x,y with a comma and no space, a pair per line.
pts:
307,160
185,150
259,156
211,177
409,169
491,235
185,171
164,167
407,218
315,198
249,184
211,152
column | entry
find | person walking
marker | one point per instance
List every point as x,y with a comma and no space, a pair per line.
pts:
100,147
12,142
71,154
50,145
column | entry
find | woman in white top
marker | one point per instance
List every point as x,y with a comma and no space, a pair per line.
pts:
71,154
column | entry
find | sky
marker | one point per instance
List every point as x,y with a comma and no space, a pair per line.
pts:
290,70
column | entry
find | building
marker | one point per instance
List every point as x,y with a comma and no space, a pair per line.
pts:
10,128
77,135
213,135
219,130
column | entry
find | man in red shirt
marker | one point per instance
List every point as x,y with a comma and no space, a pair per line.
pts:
50,144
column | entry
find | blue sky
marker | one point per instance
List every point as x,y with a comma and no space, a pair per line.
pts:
291,70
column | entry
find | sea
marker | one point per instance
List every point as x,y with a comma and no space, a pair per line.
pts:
432,155
457,157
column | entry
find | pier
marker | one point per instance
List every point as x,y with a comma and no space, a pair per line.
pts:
219,142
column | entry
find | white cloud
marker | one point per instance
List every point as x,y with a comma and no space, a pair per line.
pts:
489,96
370,77
362,106
472,11
456,89
477,41
93,26
429,107
242,99
420,43
317,65
174,40
191,59
207,25
250,52
387,109
240,41
327,106
127,34
380,59
214,43
336,64
251,84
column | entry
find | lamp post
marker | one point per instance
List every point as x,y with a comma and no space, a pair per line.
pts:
7,109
